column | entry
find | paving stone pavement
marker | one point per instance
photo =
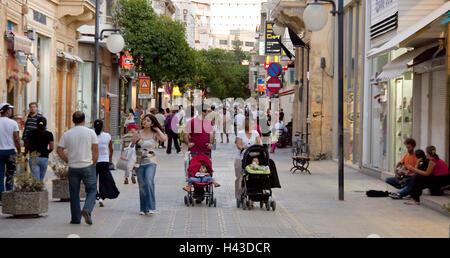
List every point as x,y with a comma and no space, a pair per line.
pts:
307,206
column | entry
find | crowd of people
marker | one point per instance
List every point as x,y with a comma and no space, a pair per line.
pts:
89,152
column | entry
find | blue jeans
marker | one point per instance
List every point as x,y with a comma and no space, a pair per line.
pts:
205,179
89,177
146,181
39,168
408,188
8,165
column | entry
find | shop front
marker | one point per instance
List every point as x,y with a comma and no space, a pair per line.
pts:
406,96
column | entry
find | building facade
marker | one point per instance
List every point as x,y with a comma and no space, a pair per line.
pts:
406,91
39,57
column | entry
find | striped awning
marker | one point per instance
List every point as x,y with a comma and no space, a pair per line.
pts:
400,64
21,43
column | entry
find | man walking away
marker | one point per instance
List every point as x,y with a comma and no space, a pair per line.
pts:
9,138
31,120
79,148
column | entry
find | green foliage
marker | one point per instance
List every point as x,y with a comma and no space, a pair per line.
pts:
160,50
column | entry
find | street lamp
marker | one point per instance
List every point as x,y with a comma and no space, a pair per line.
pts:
114,44
315,17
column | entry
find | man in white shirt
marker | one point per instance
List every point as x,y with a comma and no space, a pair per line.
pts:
9,139
240,119
79,148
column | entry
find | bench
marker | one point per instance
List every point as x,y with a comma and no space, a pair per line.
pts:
300,163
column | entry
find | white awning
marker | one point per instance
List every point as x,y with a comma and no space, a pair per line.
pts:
413,30
399,65
71,57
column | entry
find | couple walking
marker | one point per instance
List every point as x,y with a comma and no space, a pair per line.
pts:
82,149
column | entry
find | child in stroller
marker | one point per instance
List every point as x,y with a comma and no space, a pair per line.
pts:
200,174
257,181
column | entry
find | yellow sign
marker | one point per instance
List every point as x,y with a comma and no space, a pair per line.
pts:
176,92
144,87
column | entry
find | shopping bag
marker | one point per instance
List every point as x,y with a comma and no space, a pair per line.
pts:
127,158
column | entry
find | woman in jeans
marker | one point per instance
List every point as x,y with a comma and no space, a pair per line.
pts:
146,141
434,177
39,144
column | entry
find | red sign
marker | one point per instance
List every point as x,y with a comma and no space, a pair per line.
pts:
273,85
127,62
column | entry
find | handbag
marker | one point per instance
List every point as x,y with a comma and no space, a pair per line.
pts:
127,158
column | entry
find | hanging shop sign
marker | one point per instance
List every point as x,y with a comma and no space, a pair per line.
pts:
272,41
261,85
127,62
176,92
144,87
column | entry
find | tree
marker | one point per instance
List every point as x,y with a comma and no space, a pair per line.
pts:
157,43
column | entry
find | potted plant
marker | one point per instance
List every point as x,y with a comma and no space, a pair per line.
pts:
60,185
28,197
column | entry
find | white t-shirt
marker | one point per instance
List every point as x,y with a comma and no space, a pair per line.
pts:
240,119
103,147
7,129
77,143
246,141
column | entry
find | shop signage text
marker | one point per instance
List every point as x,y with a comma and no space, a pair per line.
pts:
272,44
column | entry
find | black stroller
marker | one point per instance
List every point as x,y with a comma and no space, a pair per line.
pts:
257,184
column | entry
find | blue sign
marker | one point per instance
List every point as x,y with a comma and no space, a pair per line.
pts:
274,69
261,81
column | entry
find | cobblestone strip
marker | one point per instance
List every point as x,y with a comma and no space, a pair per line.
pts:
223,229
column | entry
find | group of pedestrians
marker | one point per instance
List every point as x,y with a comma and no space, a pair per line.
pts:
417,171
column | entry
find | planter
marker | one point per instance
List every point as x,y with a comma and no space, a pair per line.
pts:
25,203
60,189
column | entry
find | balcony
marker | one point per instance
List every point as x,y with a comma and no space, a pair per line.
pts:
290,13
75,13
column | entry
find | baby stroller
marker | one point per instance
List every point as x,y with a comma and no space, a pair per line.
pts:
201,191
257,185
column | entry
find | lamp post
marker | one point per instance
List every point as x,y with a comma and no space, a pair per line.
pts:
114,44
315,17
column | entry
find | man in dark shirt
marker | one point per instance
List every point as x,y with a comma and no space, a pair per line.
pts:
39,144
30,123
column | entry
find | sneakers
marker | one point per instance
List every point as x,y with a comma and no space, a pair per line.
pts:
395,196
152,212
100,202
133,179
87,217
126,181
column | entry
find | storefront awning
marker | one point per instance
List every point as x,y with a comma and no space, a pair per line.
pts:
21,43
399,65
411,32
71,57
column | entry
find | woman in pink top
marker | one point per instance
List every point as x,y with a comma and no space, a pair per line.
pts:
435,177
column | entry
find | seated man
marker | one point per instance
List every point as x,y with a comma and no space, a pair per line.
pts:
402,174
199,133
